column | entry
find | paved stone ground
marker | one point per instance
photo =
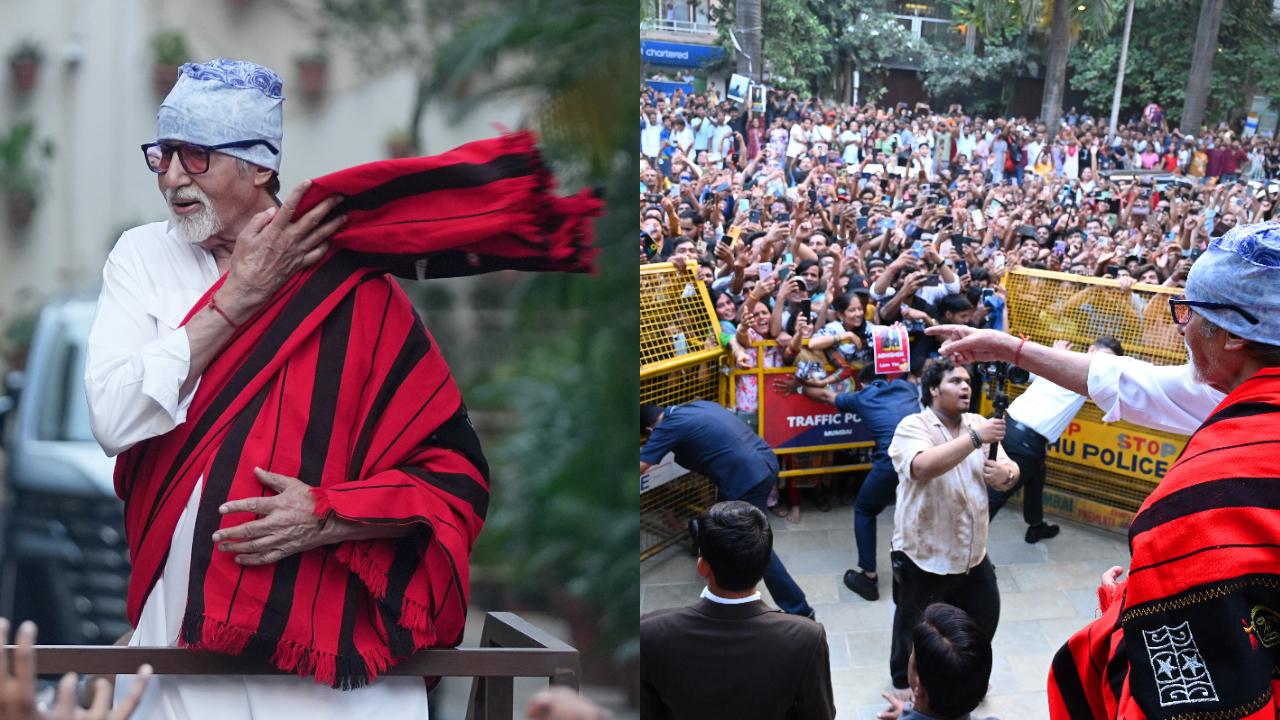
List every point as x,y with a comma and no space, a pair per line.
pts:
1047,592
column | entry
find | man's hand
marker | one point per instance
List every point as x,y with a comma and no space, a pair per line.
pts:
559,703
894,711
965,344
1111,578
18,690
990,430
996,475
288,524
273,245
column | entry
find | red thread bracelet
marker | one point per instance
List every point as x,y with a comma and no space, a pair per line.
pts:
213,303
1018,355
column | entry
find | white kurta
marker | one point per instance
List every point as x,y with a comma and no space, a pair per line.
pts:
1164,397
137,360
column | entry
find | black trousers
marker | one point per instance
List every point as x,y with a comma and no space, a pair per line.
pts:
914,590
1027,448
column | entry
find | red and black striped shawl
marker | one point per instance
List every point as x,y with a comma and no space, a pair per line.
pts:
1195,631
337,382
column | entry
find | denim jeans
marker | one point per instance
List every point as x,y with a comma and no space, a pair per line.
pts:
878,491
782,587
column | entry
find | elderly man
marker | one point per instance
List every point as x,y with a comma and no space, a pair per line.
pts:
285,498
1194,630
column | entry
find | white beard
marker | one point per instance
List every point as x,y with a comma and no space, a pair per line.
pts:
198,227
1197,376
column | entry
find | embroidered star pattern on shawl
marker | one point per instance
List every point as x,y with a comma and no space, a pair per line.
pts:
1189,635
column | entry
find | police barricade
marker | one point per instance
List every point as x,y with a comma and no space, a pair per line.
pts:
1098,472
680,361
803,432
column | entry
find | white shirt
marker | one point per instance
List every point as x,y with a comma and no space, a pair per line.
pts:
940,523
706,593
137,360
138,357
1046,408
651,137
928,293
798,141
1161,397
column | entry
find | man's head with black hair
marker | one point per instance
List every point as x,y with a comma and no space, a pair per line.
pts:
649,415
734,543
931,376
950,663
1106,343
955,309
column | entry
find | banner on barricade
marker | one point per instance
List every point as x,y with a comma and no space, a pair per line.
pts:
793,421
661,473
1117,449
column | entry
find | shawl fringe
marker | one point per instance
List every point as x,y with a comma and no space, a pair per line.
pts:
345,672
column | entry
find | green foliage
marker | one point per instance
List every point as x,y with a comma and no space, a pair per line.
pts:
807,42
169,47
1160,59
951,76
565,511
18,174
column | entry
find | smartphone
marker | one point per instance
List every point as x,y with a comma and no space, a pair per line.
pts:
917,249
805,308
744,204
783,274
887,224
783,216
862,223
1060,248
734,233
932,280
653,198
962,267
754,216
766,270
850,250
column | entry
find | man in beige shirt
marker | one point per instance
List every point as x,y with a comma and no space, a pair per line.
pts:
939,547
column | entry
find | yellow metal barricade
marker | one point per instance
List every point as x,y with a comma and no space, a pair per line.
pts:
680,361
1098,472
806,462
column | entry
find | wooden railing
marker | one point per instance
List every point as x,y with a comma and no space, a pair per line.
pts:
510,647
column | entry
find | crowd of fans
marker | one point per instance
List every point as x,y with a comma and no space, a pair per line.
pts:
817,220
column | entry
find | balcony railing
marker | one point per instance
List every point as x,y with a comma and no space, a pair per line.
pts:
678,26
510,647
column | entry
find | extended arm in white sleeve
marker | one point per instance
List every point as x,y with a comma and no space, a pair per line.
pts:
1161,397
135,366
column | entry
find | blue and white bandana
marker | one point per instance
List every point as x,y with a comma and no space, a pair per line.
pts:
1241,268
224,101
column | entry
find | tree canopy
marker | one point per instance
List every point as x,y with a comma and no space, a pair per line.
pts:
1247,63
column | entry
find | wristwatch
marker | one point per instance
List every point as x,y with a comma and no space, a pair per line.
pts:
973,435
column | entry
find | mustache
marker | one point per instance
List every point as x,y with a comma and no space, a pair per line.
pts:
172,195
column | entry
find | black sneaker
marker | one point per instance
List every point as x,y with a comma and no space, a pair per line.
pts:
1043,531
864,586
